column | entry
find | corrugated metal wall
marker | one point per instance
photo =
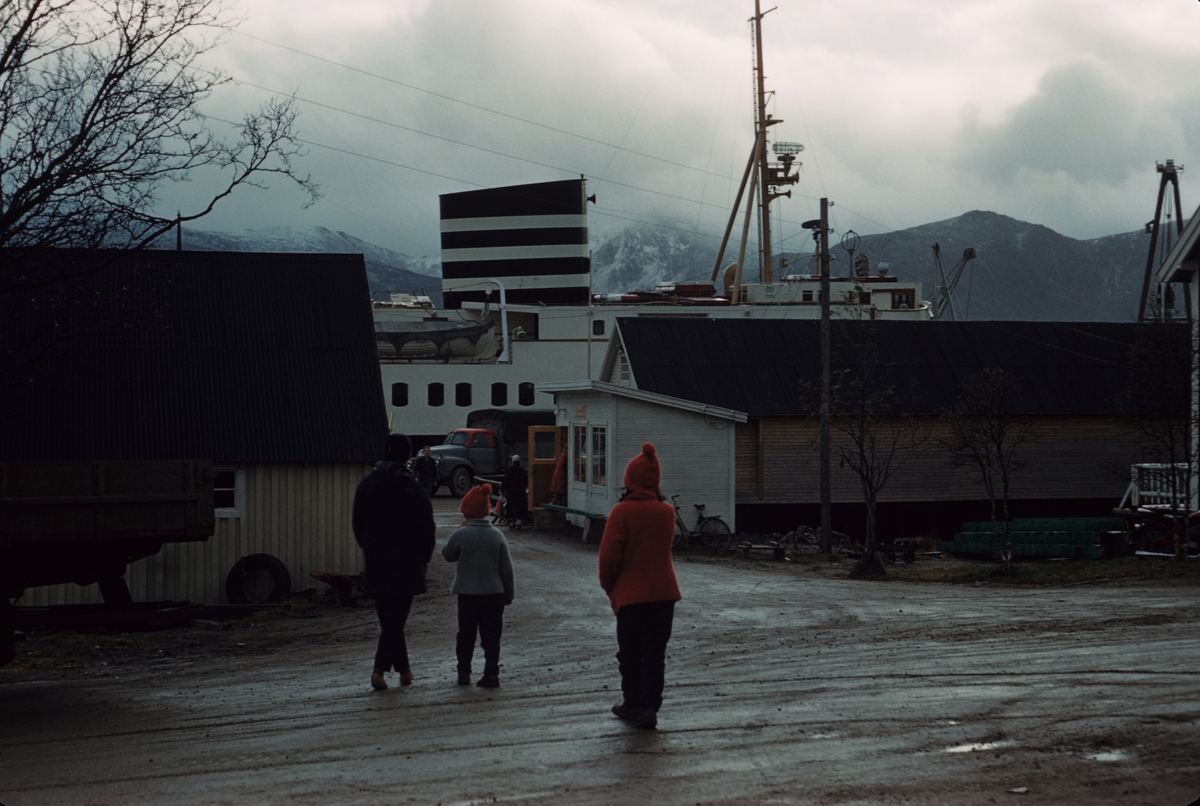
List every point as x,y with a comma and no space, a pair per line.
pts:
1076,456
299,513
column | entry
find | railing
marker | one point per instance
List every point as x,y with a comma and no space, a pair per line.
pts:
1157,485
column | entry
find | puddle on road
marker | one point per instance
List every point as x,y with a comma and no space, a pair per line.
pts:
978,747
1109,755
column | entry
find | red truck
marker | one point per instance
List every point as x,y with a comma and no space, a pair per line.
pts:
486,446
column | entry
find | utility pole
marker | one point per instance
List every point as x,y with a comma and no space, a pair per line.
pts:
826,388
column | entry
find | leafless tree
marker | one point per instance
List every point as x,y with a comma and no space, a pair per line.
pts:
873,431
98,110
987,433
1159,408
98,113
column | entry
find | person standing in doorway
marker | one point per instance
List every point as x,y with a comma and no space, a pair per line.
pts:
558,482
483,582
393,523
515,490
425,467
637,574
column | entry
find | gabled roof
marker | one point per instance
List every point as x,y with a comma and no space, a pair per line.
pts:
768,367
1183,260
646,397
234,357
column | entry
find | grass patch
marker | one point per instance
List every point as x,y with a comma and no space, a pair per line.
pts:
1056,572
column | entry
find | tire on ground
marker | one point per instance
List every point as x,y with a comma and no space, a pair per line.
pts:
258,579
460,481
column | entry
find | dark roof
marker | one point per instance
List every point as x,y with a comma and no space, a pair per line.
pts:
234,357
764,366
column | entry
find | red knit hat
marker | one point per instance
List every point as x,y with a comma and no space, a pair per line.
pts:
643,471
477,503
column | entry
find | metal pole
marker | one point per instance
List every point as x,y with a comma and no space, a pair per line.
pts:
1162,189
826,384
1187,297
763,190
737,202
736,296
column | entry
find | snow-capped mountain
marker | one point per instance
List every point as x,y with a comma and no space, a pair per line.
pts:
387,270
1023,270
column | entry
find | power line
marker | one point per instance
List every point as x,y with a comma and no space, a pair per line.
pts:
490,111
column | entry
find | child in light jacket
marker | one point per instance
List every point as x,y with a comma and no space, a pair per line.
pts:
483,582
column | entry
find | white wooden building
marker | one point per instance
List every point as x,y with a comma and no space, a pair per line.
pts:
263,364
606,423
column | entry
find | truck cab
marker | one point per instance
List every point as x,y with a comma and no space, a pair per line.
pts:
486,446
464,454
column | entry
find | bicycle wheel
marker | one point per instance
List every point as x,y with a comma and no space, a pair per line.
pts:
678,535
715,534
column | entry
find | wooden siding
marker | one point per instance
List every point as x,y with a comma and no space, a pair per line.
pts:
1067,457
747,460
299,513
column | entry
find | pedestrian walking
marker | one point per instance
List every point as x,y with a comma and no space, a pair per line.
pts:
425,468
393,523
483,582
637,574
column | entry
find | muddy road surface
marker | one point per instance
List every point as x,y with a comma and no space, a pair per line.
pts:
782,687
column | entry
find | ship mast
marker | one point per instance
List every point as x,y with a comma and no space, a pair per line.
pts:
769,177
766,177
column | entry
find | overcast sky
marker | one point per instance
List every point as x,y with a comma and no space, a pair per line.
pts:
910,111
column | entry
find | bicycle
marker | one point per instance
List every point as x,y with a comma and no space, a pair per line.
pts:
713,532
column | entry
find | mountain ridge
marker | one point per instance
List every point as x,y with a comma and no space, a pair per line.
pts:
1023,270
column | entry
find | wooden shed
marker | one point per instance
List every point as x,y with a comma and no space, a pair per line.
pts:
264,364
1071,379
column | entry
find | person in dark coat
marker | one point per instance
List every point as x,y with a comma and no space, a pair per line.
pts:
425,467
516,485
393,523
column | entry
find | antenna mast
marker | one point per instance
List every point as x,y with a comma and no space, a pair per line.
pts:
769,178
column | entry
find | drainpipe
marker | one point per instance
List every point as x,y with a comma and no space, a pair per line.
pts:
505,356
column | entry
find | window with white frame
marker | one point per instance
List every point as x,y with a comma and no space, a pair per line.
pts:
229,492
579,442
599,456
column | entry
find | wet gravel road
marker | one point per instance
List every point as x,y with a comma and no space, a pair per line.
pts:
781,688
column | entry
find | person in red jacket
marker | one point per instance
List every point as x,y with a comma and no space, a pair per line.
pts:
637,574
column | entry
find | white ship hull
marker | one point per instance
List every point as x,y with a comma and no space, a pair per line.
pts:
561,343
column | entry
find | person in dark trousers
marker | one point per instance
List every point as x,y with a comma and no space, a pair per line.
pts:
393,523
483,581
425,468
515,487
637,574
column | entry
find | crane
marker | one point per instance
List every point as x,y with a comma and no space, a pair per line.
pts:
943,300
